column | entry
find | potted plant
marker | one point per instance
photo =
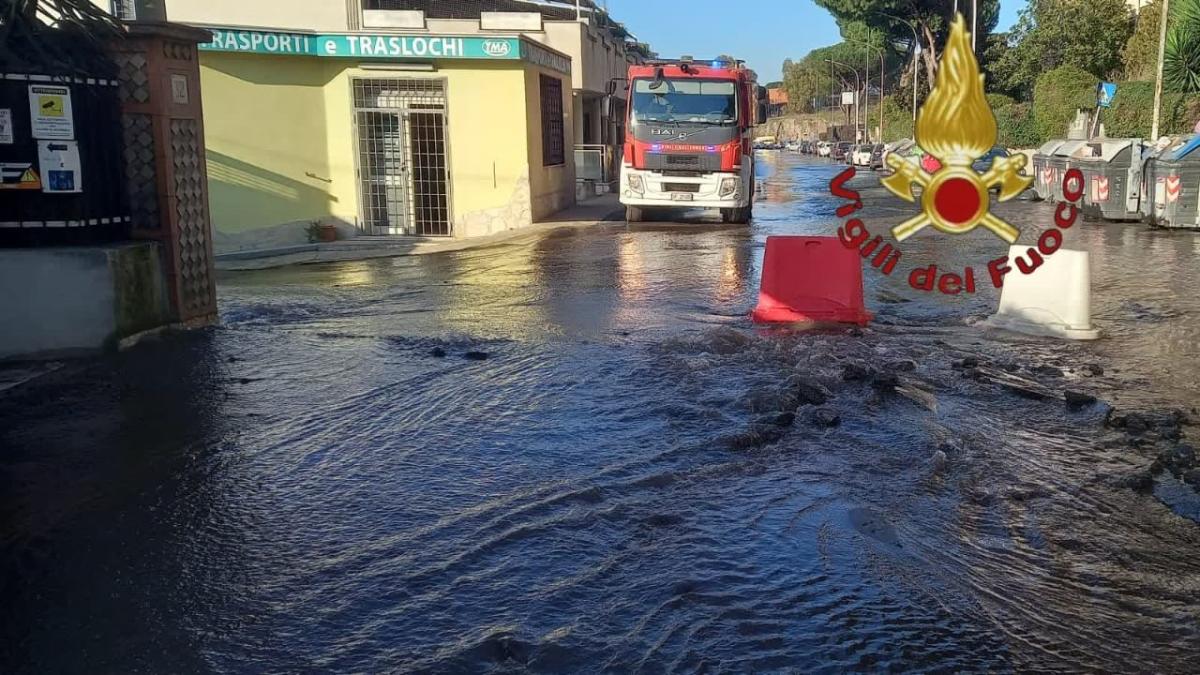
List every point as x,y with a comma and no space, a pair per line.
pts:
319,231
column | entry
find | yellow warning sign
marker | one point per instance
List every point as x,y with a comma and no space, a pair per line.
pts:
30,181
19,177
51,106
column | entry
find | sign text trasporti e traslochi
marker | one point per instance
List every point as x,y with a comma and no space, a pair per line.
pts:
381,46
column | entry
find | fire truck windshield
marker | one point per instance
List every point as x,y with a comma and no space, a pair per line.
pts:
684,101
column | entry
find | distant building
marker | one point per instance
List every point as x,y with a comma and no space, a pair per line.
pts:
777,100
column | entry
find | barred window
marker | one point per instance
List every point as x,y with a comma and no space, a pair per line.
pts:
553,152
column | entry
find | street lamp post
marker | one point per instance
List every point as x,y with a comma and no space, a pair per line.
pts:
916,51
881,69
857,86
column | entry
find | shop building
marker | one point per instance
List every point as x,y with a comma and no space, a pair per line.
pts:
399,127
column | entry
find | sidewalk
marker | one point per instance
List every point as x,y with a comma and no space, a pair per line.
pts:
593,211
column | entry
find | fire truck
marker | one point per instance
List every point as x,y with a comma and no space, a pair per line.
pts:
688,137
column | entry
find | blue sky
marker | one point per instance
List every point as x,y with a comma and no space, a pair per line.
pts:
763,37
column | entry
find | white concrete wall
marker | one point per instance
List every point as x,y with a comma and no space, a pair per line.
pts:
78,300
319,15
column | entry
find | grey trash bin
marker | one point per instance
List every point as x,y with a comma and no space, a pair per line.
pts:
1153,187
1112,178
1062,159
1042,175
1176,186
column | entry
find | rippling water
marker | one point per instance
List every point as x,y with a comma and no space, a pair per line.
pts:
313,486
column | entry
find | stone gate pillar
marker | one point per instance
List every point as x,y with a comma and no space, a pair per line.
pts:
164,158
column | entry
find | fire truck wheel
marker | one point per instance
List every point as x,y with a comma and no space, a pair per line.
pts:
634,214
740,216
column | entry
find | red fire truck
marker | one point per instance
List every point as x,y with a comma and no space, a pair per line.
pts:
687,141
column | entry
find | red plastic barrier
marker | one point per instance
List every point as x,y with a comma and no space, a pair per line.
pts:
811,279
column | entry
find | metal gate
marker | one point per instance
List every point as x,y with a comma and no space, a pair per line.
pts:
403,172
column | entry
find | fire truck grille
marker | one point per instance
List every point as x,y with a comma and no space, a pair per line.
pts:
662,162
680,187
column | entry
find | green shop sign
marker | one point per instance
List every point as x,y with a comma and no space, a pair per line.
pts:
375,46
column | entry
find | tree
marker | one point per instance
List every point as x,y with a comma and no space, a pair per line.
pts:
930,18
1181,59
1140,55
1053,33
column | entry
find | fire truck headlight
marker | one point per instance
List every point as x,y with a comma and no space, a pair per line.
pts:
635,183
728,186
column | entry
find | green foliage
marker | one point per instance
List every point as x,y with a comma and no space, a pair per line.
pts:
1181,59
1016,126
1057,96
1052,33
999,100
1139,58
897,119
1133,109
810,77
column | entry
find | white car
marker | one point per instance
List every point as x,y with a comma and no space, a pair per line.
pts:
862,155
823,149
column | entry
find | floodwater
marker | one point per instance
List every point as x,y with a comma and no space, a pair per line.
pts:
572,453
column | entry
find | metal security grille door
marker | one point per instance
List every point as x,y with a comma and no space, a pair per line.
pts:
402,165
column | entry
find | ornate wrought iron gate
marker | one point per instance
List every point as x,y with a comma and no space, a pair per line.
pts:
403,169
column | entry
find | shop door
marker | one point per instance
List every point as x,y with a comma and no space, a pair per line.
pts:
403,172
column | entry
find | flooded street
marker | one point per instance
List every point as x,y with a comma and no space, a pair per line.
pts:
573,452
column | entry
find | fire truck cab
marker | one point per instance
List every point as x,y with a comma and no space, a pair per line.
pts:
688,137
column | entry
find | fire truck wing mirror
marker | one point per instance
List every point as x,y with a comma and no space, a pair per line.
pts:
762,112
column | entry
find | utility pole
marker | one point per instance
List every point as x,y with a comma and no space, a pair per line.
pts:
867,90
916,53
974,21
857,86
882,68
832,84
1158,81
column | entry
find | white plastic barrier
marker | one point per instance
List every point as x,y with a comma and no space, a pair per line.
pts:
1054,300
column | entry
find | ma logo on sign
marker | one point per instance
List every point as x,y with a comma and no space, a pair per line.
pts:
496,47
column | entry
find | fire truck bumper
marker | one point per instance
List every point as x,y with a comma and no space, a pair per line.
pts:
705,191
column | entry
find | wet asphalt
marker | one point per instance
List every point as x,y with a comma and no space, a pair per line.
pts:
573,452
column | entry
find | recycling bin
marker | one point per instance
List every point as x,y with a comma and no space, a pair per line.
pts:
1153,187
1112,179
1060,160
1176,184
1042,178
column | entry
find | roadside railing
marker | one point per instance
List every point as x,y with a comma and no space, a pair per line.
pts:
593,162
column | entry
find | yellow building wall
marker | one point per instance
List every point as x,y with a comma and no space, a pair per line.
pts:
552,188
489,181
282,150
265,139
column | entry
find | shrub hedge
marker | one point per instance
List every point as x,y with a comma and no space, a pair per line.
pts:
1058,94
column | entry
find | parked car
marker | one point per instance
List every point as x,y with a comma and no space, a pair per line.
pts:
877,156
792,146
862,155
806,147
824,149
840,151
896,147
985,162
